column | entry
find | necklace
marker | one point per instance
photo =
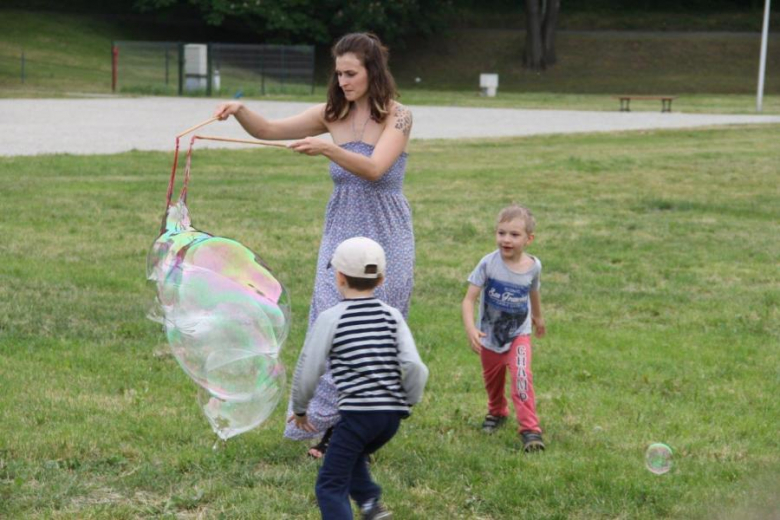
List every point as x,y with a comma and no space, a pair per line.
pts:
355,135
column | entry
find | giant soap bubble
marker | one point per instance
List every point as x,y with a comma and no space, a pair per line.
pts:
225,317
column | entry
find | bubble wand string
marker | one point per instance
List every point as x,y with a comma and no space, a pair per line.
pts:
175,164
188,162
183,195
176,159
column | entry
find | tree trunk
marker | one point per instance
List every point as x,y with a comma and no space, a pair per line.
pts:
549,26
541,22
533,56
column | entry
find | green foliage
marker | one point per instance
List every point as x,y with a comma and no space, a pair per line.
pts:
659,288
315,21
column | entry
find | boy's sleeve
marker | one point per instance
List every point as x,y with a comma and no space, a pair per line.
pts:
536,282
312,361
478,276
414,373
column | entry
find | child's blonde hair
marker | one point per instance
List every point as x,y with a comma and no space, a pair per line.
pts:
516,211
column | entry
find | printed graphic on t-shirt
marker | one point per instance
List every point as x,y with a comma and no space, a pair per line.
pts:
505,310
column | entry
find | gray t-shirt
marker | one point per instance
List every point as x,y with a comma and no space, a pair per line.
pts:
505,308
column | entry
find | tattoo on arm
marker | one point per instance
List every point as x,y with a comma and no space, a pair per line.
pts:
403,119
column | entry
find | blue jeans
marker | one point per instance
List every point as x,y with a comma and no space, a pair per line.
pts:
344,473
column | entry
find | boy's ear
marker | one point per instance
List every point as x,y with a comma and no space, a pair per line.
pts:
531,238
381,280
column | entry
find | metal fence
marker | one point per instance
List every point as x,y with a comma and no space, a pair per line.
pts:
20,69
211,69
147,67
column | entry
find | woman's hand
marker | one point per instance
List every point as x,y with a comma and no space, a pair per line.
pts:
228,109
310,146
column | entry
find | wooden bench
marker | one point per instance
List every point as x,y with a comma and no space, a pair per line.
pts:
625,102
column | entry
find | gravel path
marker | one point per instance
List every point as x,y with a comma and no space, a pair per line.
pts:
93,126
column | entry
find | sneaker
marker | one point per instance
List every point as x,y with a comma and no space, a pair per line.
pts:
532,441
492,423
374,510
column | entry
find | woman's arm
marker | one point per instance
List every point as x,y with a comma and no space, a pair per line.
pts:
391,144
309,122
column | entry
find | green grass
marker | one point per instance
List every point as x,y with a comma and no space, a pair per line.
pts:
62,52
611,62
660,290
620,18
689,103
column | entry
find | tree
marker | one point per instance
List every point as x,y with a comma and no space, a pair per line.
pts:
317,21
541,21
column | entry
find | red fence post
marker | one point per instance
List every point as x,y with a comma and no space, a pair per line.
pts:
114,65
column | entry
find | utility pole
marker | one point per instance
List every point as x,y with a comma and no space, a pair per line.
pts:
762,62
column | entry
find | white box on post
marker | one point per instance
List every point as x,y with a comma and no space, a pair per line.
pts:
195,66
488,84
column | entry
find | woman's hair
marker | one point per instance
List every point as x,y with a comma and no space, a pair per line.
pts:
381,85
516,211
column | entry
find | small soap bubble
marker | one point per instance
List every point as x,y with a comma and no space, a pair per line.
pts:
658,458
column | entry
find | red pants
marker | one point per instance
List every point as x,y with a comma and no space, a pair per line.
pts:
518,360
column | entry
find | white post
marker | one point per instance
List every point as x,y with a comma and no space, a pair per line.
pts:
762,62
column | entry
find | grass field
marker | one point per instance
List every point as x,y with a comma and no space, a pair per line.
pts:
595,62
660,289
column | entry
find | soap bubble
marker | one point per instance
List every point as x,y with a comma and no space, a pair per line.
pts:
225,317
228,414
658,458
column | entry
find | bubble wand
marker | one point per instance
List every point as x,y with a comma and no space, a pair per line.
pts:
224,313
169,194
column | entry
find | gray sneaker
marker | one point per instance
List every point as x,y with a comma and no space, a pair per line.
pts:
532,441
375,511
492,423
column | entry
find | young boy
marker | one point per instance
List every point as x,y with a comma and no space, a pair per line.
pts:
378,374
507,280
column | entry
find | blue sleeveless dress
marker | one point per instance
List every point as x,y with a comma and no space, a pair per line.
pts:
377,210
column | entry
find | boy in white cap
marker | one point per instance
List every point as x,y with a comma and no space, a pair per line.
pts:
377,371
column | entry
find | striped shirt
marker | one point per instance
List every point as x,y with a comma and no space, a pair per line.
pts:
372,357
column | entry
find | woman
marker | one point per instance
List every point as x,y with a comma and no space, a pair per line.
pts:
370,132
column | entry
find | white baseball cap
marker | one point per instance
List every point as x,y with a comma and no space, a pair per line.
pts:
359,257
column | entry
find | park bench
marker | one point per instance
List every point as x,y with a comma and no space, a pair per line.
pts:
625,102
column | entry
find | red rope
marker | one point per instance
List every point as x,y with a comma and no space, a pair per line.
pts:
187,164
173,175
183,194
170,186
